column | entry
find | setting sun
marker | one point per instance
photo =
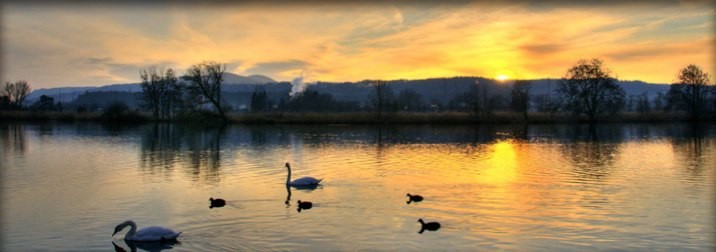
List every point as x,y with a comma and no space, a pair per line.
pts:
502,77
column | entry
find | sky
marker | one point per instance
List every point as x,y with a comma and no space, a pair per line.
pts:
60,45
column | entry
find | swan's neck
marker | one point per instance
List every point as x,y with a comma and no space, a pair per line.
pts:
132,230
288,178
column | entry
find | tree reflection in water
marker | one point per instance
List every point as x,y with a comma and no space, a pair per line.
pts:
197,149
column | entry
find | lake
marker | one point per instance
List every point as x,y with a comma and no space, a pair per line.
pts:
491,187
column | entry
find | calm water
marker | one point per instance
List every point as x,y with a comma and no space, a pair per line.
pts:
495,187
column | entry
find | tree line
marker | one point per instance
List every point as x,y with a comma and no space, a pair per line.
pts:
588,91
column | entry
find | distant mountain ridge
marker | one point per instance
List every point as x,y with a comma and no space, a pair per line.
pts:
66,94
238,88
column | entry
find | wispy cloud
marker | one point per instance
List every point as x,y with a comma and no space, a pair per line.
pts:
72,45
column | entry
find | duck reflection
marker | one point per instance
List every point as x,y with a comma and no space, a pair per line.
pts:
430,226
217,202
146,246
303,188
414,198
304,205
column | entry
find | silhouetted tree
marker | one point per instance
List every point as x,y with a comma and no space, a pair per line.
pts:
521,97
17,92
259,100
692,91
115,110
410,100
313,101
588,89
547,104
381,98
660,102
642,104
4,102
45,103
207,78
160,91
153,89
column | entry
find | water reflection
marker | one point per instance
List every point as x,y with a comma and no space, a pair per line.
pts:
198,149
304,205
689,148
145,246
414,198
499,187
13,139
430,226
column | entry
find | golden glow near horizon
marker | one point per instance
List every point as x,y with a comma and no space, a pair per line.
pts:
502,77
71,45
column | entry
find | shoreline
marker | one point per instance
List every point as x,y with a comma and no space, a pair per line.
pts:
354,118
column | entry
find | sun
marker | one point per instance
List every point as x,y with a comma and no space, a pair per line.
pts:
502,77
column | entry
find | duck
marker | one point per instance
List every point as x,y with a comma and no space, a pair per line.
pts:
217,202
430,226
147,234
301,182
304,205
414,198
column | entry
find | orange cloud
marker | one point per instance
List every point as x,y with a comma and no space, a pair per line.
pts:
50,46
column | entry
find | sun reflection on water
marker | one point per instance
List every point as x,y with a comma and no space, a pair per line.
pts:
501,165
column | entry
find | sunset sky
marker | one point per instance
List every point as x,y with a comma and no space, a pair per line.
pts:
81,45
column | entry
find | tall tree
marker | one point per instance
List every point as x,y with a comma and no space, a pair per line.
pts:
17,92
588,89
160,91
153,89
381,98
259,99
691,93
207,78
173,94
521,97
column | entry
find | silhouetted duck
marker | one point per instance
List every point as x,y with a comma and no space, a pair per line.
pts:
217,202
414,198
430,226
304,205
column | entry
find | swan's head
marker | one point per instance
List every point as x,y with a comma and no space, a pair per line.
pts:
118,228
122,226
288,165
421,221
407,194
299,202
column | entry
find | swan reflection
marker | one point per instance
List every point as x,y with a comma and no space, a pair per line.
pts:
146,246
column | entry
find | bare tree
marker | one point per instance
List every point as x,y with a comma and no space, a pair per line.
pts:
153,89
17,92
691,92
207,77
160,91
521,97
173,94
588,89
382,98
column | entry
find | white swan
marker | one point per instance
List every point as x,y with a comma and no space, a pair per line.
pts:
305,181
146,234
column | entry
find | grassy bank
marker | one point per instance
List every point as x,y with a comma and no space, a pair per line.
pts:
354,118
